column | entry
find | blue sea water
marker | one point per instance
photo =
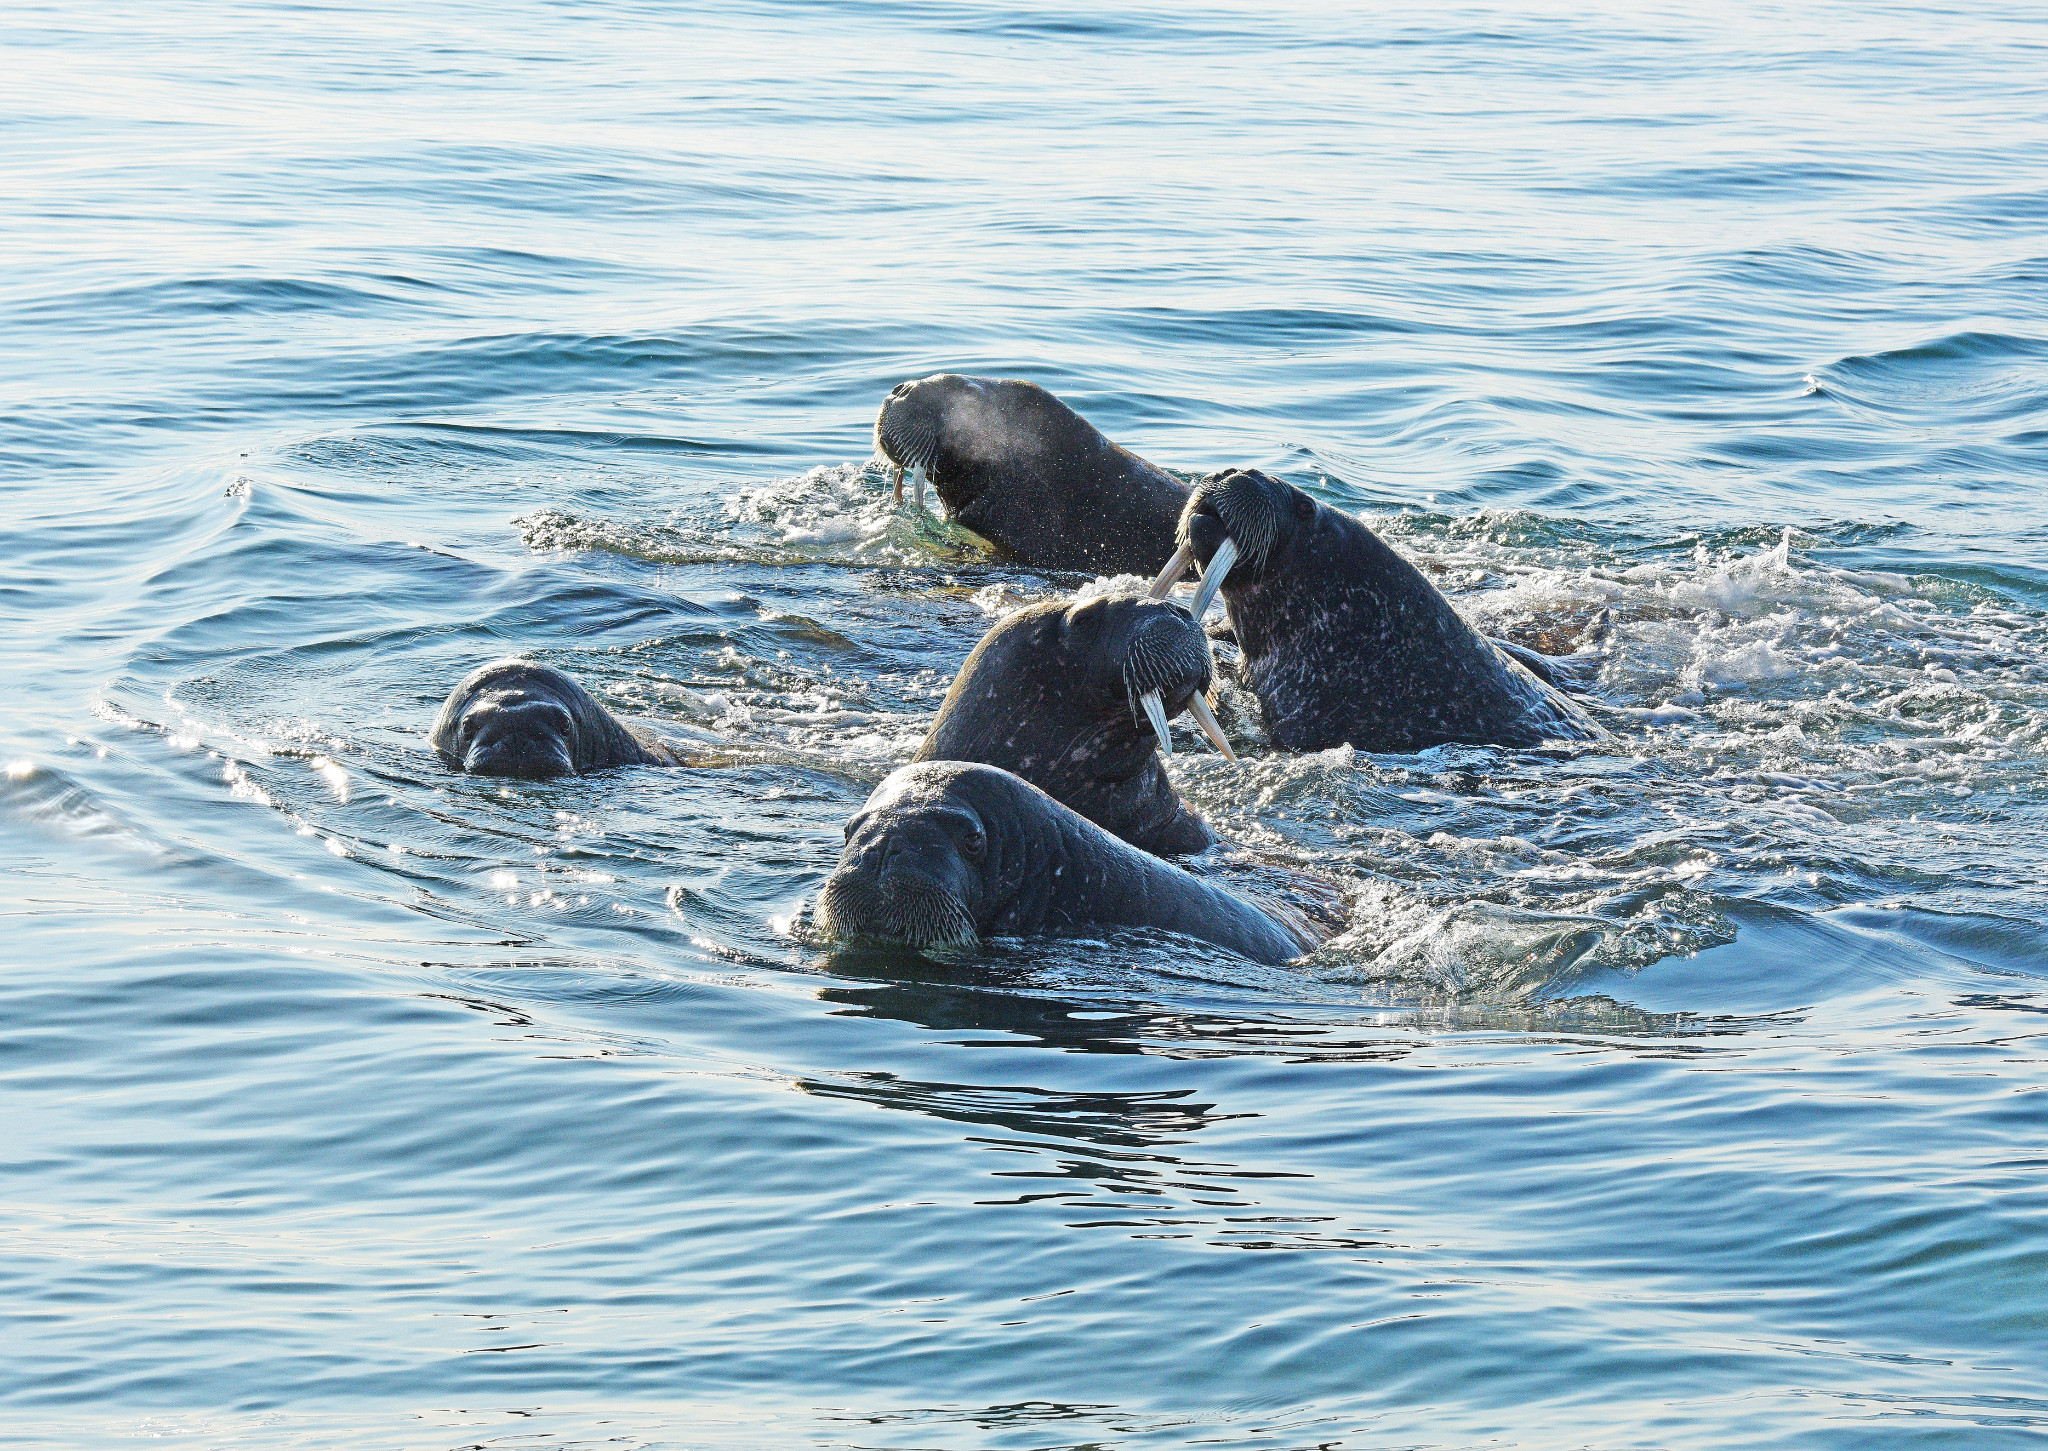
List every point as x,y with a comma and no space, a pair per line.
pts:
1691,1092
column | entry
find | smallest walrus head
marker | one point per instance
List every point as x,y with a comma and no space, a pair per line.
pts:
522,718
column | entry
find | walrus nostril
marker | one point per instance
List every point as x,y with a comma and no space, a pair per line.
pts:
1205,531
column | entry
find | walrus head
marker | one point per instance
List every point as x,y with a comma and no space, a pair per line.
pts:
916,864
960,432
1236,526
1068,694
1074,698
521,718
1160,661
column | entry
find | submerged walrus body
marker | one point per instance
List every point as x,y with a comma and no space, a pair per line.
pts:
947,853
1073,698
522,718
1030,475
1344,641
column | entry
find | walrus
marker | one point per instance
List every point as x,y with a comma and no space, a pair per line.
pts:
1344,641
521,718
1072,697
946,853
1029,474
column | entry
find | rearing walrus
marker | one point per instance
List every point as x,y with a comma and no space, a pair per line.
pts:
1344,640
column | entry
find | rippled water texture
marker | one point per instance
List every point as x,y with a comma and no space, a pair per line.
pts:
1681,1092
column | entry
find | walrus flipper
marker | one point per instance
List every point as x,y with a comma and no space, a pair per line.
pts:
1563,672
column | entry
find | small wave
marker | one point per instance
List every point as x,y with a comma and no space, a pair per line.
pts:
838,514
46,799
1991,382
231,296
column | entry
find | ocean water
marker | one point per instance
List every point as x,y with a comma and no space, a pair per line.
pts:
1690,1091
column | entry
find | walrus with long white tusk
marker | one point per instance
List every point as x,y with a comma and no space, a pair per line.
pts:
1073,698
522,718
1029,474
946,853
1344,641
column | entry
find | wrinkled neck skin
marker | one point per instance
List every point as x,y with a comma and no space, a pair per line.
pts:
517,718
1104,770
1346,642
1057,874
1033,477
1057,714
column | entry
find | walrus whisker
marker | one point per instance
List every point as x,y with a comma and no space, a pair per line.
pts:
920,916
1212,578
1170,576
1155,711
1198,707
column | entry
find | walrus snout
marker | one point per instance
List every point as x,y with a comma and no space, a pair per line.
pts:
1167,670
1242,506
892,891
527,737
907,874
908,422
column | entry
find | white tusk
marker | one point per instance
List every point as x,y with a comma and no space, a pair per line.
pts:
1206,719
1170,576
896,493
1212,578
1156,713
917,479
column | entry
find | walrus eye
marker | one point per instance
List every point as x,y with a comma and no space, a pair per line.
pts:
974,844
1304,507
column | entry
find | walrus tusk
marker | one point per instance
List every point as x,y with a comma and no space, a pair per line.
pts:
1155,712
917,483
1212,578
1169,576
896,493
1206,719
